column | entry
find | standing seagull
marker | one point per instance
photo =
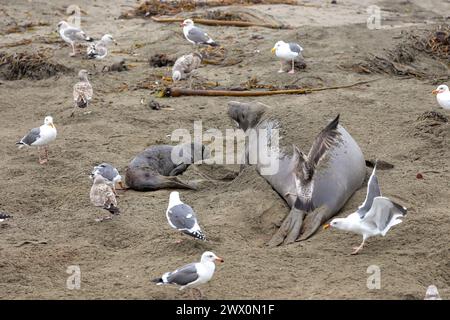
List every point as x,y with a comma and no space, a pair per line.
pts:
443,96
71,34
110,174
103,196
192,275
181,217
196,35
40,137
82,91
4,216
99,50
374,217
287,51
185,65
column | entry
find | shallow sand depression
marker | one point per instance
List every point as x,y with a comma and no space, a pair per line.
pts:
53,223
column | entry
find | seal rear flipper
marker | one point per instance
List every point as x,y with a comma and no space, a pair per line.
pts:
314,220
179,169
290,229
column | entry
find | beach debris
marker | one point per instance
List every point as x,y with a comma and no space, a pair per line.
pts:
161,60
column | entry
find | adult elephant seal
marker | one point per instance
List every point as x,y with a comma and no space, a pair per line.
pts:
314,185
157,167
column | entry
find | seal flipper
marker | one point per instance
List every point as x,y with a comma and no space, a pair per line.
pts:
290,228
179,169
314,220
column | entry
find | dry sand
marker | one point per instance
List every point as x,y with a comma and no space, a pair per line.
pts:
53,225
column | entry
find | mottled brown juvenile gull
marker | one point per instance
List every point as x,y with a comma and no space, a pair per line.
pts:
99,49
103,196
82,91
192,275
374,217
181,217
185,65
40,137
71,34
196,35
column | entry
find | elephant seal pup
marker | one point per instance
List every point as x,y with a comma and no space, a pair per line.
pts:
315,185
153,169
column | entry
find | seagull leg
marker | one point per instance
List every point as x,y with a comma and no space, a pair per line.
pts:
292,70
357,249
281,67
73,50
45,159
39,153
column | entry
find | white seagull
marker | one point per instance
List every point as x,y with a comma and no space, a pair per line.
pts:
181,217
4,216
374,217
71,34
99,50
192,275
110,174
443,96
82,91
287,51
40,137
196,35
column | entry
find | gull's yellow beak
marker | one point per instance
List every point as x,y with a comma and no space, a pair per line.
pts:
219,259
326,226
435,91
51,125
273,50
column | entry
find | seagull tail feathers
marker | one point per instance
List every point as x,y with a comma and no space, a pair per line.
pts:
113,209
20,144
158,281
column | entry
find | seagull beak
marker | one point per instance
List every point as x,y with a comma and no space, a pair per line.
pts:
51,125
326,226
435,91
219,259
115,42
273,50
181,24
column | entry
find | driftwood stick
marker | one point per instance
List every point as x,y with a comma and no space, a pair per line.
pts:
178,92
210,22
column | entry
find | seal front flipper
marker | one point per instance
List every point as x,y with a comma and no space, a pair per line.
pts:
314,220
179,169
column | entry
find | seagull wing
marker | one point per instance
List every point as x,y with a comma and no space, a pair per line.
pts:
183,275
197,35
384,213
181,217
373,191
31,137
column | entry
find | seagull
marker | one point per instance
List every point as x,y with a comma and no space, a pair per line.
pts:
40,137
443,96
110,174
192,275
287,51
99,50
181,217
374,217
4,216
196,35
103,196
71,34
82,91
432,293
185,65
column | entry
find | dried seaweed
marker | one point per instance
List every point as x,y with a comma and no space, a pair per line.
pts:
151,8
24,27
161,60
35,66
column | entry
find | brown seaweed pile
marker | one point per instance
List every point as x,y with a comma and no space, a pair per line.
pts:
35,66
151,8
159,60
403,59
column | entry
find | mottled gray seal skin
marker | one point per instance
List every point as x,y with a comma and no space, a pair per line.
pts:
153,169
314,185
